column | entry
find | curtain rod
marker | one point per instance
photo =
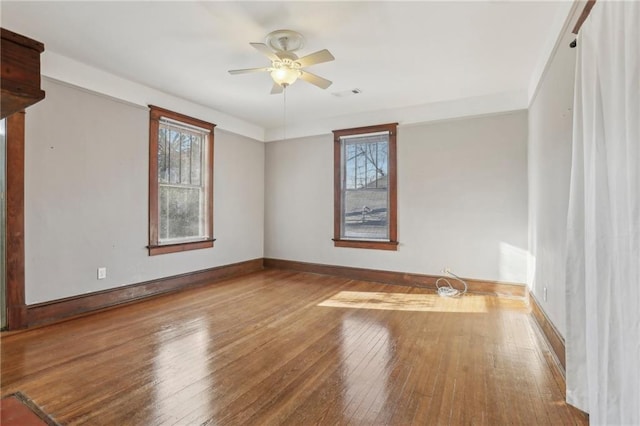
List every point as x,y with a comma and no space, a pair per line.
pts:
583,15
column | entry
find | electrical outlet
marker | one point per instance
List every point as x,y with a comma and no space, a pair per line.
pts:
544,294
102,273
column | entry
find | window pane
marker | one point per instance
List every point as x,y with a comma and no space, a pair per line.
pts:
180,163
185,159
174,156
366,199
180,212
163,165
196,160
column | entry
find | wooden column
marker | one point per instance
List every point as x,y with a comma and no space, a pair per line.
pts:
20,88
16,306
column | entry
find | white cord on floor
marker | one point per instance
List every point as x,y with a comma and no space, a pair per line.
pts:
448,290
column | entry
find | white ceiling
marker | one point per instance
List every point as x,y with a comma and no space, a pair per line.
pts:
402,55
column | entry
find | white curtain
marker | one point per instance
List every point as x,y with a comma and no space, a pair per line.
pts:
603,250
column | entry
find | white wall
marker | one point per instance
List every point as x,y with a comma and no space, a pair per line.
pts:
462,200
86,197
550,130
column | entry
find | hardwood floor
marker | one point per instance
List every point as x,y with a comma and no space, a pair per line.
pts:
284,347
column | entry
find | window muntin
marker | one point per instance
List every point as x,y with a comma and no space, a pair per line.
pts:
365,196
180,182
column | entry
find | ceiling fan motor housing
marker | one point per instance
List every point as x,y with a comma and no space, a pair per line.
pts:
285,41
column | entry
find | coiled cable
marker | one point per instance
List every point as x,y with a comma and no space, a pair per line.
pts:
448,290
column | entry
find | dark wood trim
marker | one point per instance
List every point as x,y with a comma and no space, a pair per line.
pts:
337,187
15,293
550,332
55,310
392,188
397,278
173,248
583,16
20,72
209,187
390,127
155,113
158,112
22,40
154,126
376,245
393,182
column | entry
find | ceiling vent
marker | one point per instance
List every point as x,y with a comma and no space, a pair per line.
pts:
346,93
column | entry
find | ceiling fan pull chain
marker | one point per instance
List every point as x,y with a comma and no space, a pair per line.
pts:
284,94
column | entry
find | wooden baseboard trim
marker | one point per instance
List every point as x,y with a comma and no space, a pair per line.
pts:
55,310
550,332
397,278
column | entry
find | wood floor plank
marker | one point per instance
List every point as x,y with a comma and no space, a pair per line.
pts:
279,347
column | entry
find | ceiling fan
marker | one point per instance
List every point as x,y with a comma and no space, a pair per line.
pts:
286,67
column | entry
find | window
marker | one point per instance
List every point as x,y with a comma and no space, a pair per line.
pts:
180,182
365,187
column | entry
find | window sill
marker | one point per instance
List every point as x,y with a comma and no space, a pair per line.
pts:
178,247
375,245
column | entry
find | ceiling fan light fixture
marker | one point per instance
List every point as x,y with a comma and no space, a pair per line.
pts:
285,76
286,67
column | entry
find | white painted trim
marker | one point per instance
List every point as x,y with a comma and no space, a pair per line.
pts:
465,107
70,71
103,95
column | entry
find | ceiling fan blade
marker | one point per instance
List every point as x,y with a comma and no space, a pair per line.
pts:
316,58
276,89
246,70
264,49
322,83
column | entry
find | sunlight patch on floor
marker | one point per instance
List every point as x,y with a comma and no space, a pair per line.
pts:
405,302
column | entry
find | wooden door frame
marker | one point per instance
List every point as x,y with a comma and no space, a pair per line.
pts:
14,242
